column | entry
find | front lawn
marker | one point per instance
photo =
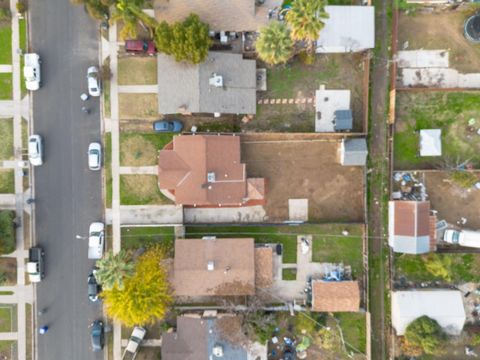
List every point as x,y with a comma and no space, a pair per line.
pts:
7,318
6,87
289,274
135,70
136,237
7,181
5,43
6,139
141,190
141,149
138,106
455,113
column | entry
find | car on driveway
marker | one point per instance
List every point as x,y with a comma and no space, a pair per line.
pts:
35,150
134,342
94,156
31,71
97,335
140,47
96,240
167,126
93,81
93,286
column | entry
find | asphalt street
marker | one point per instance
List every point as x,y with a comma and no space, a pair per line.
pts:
68,195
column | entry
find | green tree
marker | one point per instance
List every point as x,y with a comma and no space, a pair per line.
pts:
305,18
185,41
145,297
425,334
113,269
439,266
274,45
131,14
7,232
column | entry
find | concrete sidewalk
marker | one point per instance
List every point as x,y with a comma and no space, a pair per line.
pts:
138,89
139,170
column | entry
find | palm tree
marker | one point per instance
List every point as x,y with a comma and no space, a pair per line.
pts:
113,269
130,12
274,44
305,18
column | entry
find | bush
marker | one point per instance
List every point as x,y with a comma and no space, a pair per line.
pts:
464,179
5,15
7,232
21,6
426,334
307,57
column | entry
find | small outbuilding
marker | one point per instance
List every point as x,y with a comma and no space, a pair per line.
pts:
444,306
353,152
335,296
332,110
431,142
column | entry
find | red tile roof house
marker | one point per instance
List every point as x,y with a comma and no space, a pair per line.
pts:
411,228
206,171
335,296
220,267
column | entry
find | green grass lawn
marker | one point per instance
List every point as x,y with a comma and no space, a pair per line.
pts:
22,24
5,43
328,242
136,237
141,149
354,330
6,318
456,268
137,71
449,111
6,139
289,274
7,181
141,190
6,89
8,349
107,143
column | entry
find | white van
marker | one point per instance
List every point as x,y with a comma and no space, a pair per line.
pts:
466,238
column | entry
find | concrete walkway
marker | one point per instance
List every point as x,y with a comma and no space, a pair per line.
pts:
248,214
6,68
138,89
139,170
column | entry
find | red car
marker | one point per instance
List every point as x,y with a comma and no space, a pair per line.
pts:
140,47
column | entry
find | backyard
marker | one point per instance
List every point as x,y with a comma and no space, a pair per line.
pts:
435,30
141,149
298,80
306,170
455,113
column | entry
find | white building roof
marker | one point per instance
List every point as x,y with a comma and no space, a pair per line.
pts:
431,142
326,103
444,306
348,29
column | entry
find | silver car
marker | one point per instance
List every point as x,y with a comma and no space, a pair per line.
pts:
94,156
35,150
93,81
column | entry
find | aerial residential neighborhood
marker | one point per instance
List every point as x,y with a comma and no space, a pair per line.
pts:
239,180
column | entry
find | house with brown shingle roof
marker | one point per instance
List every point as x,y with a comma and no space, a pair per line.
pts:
335,296
220,267
206,170
411,228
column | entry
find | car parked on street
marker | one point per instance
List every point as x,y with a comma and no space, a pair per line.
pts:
94,86
140,47
93,286
35,150
175,126
36,264
96,240
94,156
97,335
31,71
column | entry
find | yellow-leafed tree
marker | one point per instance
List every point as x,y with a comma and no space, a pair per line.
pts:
146,296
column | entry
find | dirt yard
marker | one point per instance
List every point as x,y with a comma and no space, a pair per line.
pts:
451,202
309,170
441,30
138,106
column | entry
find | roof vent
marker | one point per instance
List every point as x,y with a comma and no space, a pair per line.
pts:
211,177
217,351
216,80
211,266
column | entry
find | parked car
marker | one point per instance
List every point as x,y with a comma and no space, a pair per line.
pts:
140,47
168,126
93,286
94,156
93,81
134,342
36,264
96,240
35,150
467,238
31,71
97,335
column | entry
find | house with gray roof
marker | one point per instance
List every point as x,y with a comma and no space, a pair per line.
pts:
225,83
353,152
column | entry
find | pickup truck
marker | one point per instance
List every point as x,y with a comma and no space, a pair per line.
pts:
96,240
467,238
31,71
36,264
134,342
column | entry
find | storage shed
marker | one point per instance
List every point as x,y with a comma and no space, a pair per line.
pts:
353,152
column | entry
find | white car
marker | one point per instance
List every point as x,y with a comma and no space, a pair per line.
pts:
135,340
96,240
94,156
93,81
31,71
35,150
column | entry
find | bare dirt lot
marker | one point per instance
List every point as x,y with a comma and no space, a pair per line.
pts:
299,170
451,202
441,30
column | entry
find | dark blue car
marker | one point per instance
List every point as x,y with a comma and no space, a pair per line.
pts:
167,126
97,335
